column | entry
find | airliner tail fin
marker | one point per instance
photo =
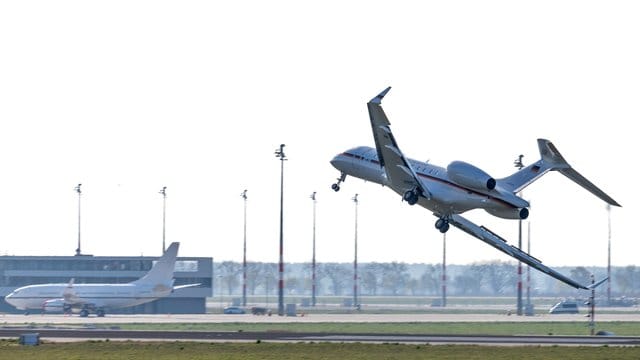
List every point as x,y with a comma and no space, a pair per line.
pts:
162,270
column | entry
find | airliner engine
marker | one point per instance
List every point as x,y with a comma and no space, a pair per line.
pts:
509,213
467,175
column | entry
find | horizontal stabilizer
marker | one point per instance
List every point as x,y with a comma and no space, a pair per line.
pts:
552,158
582,181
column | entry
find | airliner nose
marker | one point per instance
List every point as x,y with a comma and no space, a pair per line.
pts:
334,161
9,299
341,162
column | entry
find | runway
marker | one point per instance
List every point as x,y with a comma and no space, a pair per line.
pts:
307,318
74,328
100,334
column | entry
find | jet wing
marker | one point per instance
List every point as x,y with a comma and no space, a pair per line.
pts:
499,243
397,168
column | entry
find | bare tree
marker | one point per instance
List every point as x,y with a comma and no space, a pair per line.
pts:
430,279
338,274
501,277
370,278
470,281
395,277
628,280
229,272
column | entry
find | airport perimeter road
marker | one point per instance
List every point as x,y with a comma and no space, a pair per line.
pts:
386,318
66,335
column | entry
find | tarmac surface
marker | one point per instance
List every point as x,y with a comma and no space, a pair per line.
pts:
306,318
101,334
59,327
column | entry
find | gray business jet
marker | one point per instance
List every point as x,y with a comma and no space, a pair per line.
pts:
460,187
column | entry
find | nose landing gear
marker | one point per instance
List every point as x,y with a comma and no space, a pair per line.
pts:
336,187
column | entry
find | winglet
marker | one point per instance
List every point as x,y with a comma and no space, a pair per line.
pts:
593,286
378,98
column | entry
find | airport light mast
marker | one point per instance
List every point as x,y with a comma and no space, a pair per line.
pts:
280,154
79,191
609,257
592,307
518,164
444,269
244,252
529,311
163,192
313,257
355,258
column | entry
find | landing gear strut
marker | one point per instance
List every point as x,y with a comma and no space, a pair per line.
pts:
336,186
442,224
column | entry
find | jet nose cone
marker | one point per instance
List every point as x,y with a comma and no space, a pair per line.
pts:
334,161
9,298
341,162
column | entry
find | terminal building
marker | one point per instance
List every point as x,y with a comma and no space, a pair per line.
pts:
18,271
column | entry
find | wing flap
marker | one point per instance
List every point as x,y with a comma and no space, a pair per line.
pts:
499,243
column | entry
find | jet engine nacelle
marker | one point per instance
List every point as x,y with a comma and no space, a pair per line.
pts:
55,305
509,213
465,174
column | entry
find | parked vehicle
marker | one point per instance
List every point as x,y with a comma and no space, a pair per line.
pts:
259,310
233,310
565,307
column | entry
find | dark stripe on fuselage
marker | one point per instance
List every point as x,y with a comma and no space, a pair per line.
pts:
433,178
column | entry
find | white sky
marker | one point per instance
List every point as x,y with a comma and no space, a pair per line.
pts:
126,97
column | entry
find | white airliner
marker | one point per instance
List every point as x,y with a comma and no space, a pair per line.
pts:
157,283
460,187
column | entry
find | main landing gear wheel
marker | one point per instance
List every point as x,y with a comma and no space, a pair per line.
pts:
336,187
100,313
442,225
411,197
84,313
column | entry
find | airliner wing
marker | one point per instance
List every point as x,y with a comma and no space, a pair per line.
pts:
398,169
499,243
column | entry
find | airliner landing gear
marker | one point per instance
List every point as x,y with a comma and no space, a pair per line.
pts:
411,196
336,186
84,313
442,224
100,312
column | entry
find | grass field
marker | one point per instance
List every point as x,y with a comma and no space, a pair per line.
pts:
281,351
463,328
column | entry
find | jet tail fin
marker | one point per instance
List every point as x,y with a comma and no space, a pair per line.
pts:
162,270
551,160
